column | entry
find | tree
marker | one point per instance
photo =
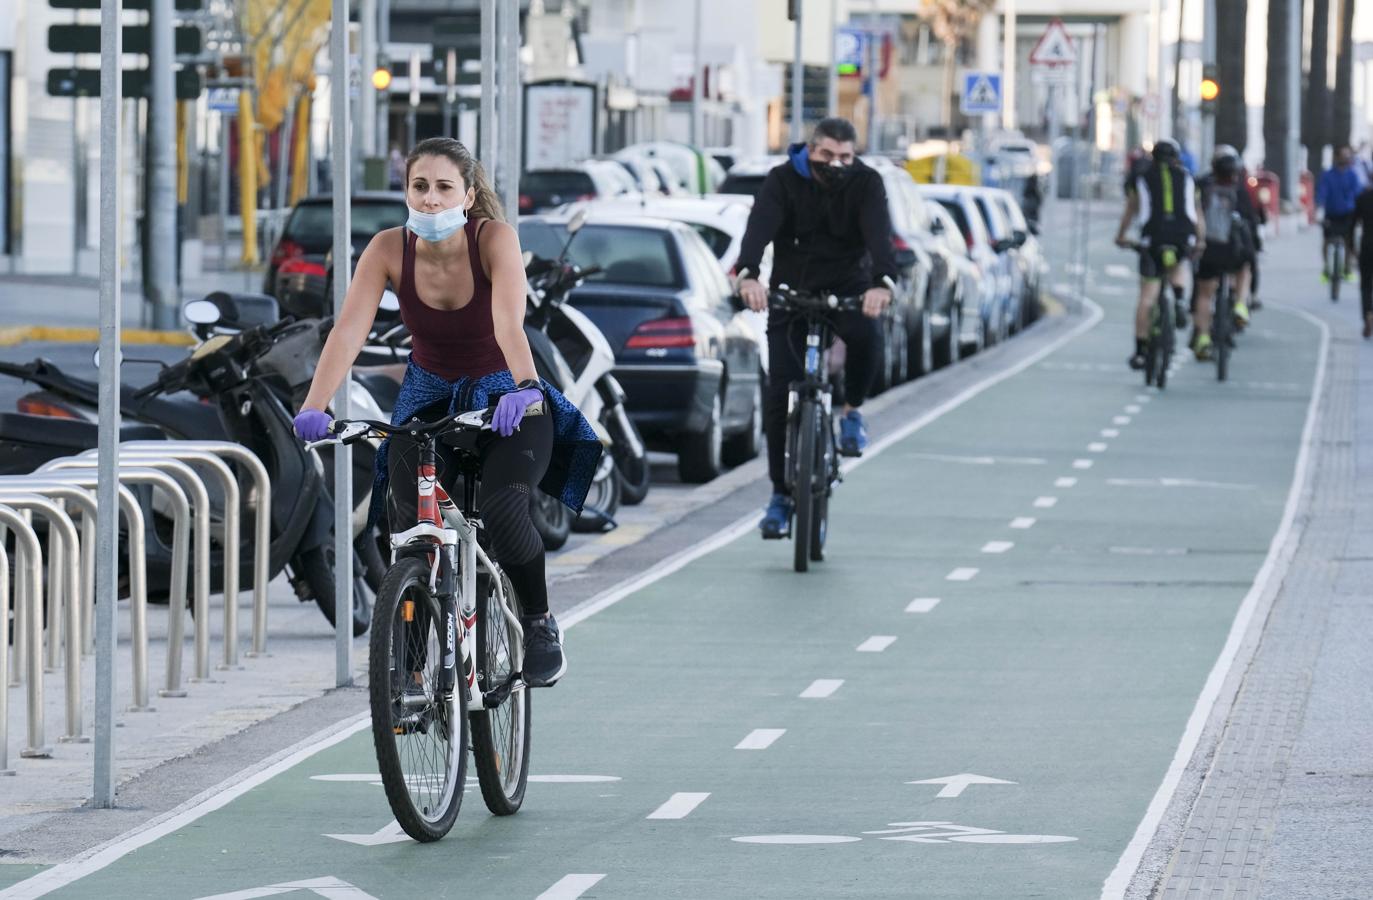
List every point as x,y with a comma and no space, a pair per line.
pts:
1315,129
1232,119
1343,107
953,22
1277,108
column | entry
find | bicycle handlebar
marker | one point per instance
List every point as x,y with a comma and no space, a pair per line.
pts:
349,431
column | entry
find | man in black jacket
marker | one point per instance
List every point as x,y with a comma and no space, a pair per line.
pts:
825,213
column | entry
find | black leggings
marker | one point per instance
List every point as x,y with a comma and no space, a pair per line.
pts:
1366,280
511,470
787,363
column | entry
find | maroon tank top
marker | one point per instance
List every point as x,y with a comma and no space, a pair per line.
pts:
451,343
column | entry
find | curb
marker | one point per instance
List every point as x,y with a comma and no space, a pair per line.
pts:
19,334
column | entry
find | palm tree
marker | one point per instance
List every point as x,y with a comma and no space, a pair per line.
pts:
1343,107
1315,129
1277,108
1232,120
953,22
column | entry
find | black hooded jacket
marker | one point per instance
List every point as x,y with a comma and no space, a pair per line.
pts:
835,239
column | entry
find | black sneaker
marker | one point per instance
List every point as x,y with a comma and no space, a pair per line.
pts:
1179,314
544,662
1137,361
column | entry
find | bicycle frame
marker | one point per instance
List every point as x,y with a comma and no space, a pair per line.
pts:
815,386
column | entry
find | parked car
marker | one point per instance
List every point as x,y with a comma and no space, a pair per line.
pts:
725,156
746,176
698,172
987,252
1029,253
975,289
544,189
297,263
652,177
689,364
1007,245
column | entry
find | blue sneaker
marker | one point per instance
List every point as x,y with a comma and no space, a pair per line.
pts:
853,434
776,523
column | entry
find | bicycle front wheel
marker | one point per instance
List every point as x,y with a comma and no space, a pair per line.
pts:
820,490
420,734
500,736
1223,329
1336,270
803,490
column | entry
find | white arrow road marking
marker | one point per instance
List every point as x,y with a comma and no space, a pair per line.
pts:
760,738
821,688
328,886
997,546
1178,483
570,887
678,806
390,833
1045,502
956,784
877,643
1066,482
922,604
1082,464
1023,522
961,574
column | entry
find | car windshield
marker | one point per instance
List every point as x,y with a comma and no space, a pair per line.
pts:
312,223
742,184
641,257
570,183
953,208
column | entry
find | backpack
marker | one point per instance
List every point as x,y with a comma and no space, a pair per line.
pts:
1226,226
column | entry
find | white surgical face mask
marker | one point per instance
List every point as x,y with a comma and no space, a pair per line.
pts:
434,227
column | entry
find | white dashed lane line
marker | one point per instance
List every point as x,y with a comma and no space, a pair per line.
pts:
1132,409
1045,502
1023,522
922,604
760,739
678,806
1066,481
1097,447
961,574
1121,420
821,688
570,887
877,643
1110,432
997,546
1082,464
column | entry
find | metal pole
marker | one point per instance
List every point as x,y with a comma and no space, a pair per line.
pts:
696,79
1208,57
384,101
832,102
412,110
367,112
161,211
224,191
450,77
797,75
511,156
343,455
1294,101
871,77
487,125
1008,61
107,489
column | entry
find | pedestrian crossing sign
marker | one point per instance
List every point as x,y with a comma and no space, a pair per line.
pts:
981,93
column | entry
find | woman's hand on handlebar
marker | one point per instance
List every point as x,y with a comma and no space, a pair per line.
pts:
754,294
875,302
312,425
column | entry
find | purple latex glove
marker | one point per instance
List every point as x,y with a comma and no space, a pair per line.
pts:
312,424
510,410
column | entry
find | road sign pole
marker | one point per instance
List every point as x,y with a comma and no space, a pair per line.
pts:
367,112
797,76
107,488
343,456
832,102
871,65
1008,62
161,212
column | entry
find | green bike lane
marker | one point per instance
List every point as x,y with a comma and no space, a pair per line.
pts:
1066,664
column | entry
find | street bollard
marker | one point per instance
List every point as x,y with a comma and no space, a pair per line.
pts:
29,583
262,537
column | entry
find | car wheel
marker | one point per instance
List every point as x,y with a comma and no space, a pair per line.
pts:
699,460
901,356
924,356
980,337
950,347
744,446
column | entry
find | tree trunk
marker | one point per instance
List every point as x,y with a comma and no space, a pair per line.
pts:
1232,119
1315,131
1277,111
1343,107
1178,118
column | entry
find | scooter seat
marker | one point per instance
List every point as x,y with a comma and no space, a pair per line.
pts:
26,442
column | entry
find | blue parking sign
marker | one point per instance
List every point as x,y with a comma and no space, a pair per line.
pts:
981,93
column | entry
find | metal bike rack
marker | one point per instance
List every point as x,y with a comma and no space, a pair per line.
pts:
60,526
211,459
188,478
28,583
262,537
5,663
138,567
182,515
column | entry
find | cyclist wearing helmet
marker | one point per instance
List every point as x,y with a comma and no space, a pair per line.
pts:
1232,226
1162,202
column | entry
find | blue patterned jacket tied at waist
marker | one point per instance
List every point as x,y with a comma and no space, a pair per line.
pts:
576,449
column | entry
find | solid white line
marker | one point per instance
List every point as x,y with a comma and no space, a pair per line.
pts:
678,806
570,887
821,688
1096,447
922,604
1121,420
1045,502
1023,522
997,546
1065,482
1082,464
208,801
877,643
1110,432
760,739
961,574
1274,564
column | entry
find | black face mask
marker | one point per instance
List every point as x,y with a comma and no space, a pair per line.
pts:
829,176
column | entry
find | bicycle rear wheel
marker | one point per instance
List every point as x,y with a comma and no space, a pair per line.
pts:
803,490
500,736
1164,340
420,735
1222,329
1336,255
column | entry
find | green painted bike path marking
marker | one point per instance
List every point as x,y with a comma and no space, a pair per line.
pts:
1068,665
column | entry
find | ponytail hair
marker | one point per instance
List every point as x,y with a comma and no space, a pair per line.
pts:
486,205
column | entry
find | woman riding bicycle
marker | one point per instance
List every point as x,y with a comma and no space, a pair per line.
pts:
468,349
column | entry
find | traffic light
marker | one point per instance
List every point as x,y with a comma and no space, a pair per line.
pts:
381,78
1210,89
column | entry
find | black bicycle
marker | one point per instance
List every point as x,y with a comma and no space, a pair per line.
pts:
1223,327
1161,341
447,646
812,467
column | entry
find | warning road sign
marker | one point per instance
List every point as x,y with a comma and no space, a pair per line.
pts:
981,93
1055,47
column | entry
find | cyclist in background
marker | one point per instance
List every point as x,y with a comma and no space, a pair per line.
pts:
1161,200
825,213
1363,215
1231,224
1336,194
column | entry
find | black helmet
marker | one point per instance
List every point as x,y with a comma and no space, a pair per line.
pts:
1225,162
1167,151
